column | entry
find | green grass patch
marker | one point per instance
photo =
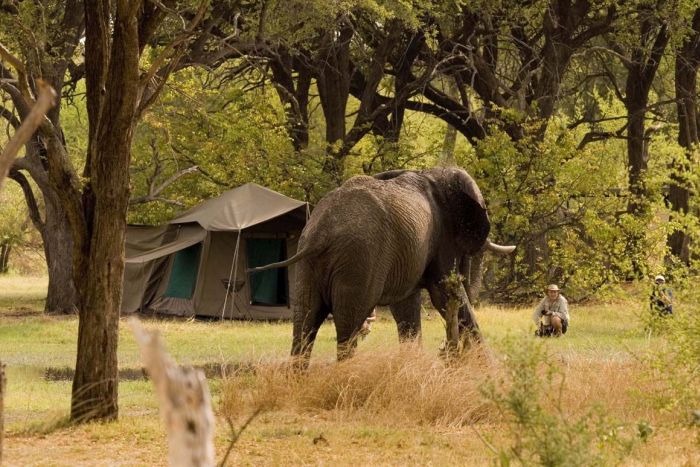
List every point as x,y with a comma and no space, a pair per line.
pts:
603,340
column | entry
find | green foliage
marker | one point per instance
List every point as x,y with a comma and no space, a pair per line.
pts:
232,137
565,207
531,399
674,367
16,228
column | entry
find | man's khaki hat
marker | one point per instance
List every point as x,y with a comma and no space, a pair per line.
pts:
553,287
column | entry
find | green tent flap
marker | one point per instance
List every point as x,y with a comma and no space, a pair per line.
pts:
183,275
267,287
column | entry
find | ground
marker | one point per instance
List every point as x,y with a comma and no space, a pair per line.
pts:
396,415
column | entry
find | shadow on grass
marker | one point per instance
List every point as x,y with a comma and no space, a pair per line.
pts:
211,370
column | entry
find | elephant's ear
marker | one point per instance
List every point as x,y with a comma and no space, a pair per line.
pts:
471,219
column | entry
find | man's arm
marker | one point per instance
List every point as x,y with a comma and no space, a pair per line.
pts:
564,308
538,312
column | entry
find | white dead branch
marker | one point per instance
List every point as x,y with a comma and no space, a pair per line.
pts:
185,402
46,100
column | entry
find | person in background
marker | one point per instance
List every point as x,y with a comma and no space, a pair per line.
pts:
551,315
661,298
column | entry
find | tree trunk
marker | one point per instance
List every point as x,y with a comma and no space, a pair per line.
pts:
687,61
447,156
54,229
5,249
637,154
95,384
61,296
333,83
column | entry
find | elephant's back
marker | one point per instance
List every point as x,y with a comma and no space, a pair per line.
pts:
375,233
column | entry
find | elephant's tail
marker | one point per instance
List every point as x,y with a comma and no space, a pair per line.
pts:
499,249
300,255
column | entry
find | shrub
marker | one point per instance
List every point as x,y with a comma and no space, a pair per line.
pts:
531,397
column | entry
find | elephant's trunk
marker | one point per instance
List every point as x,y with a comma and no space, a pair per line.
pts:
499,249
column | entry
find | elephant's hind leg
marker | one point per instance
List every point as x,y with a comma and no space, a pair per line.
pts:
309,314
406,313
350,310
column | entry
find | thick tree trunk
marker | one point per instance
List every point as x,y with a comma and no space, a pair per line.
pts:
687,62
637,154
294,98
333,83
55,233
5,250
95,384
61,296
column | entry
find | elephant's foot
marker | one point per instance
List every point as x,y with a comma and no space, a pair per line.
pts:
300,363
346,349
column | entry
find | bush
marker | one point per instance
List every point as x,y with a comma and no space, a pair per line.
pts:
674,367
531,396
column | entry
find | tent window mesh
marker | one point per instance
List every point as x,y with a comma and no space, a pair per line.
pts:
267,287
183,275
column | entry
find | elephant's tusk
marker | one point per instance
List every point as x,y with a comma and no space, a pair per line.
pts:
499,249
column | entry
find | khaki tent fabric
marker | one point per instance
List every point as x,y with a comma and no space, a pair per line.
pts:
187,235
139,241
242,216
240,208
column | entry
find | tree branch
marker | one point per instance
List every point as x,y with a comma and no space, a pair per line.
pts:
21,73
154,192
35,118
34,213
163,71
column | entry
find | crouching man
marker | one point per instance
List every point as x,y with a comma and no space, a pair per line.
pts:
552,314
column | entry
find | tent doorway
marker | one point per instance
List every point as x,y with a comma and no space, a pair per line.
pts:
268,287
183,274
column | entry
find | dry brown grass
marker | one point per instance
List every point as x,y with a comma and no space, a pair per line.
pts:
408,385
403,386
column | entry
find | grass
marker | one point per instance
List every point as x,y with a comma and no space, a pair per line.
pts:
390,405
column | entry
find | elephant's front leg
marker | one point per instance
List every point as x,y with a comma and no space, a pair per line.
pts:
406,313
440,295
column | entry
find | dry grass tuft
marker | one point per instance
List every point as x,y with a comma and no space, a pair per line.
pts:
404,385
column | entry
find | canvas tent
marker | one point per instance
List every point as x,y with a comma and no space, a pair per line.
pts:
196,264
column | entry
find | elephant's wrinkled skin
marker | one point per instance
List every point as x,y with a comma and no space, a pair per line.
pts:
379,241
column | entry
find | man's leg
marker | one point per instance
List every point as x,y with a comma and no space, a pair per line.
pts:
557,325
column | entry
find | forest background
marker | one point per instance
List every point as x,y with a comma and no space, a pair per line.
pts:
578,119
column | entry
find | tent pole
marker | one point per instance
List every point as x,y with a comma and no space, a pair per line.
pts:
232,272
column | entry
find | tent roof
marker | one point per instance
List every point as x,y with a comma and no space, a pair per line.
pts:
187,235
237,209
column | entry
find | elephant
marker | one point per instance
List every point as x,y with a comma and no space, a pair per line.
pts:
381,240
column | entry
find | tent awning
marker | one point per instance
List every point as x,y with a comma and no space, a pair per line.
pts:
240,208
187,235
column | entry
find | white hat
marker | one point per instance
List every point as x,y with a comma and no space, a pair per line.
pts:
659,278
553,287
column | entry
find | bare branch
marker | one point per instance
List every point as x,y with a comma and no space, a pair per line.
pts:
47,99
154,192
34,213
176,52
21,72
